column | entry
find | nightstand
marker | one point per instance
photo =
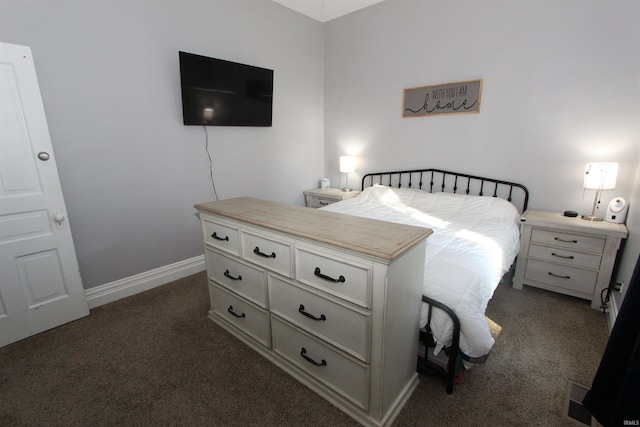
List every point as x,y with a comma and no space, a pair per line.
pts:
318,197
571,256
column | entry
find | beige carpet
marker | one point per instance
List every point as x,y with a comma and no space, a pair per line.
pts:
155,359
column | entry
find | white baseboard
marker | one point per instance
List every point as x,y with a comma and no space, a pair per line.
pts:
132,285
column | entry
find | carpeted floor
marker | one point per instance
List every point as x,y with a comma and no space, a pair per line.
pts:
156,359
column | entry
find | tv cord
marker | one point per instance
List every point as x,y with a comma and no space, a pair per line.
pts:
206,147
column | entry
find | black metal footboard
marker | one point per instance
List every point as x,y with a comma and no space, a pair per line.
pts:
454,348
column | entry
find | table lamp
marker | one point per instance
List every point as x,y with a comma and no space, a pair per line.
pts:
599,176
347,166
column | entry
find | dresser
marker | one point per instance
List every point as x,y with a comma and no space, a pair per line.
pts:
572,256
332,299
320,197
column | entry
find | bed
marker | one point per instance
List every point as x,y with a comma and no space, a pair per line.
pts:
474,246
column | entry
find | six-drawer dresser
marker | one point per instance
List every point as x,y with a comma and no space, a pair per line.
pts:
332,299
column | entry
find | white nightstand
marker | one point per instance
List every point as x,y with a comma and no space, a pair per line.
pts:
318,198
572,256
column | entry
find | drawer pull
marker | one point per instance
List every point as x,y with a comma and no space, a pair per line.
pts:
340,279
215,236
562,256
228,275
262,254
230,310
558,276
558,239
311,316
303,353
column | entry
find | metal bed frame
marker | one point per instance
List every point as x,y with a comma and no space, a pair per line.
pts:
438,180
450,182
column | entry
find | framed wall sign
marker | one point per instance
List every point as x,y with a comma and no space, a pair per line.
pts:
448,98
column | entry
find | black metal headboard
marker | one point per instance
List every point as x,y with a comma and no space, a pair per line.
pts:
451,182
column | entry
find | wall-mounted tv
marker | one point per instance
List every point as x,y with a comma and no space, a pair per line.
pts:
216,92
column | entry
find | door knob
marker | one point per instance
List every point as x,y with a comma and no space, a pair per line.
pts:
44,156
58,217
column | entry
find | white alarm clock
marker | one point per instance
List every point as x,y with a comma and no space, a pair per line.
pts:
617,211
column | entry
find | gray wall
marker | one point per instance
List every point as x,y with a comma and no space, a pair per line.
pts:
560,89
130,171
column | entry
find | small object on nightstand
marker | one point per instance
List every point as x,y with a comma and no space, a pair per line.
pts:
318,198
617,211
570,214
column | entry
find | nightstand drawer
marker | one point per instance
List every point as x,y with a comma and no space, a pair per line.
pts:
335,274
343,374
241,314
318,202
562,276
319,198
238,277
568,241
322,317
566,257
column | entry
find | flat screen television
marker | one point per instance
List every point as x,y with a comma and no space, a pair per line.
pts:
216,92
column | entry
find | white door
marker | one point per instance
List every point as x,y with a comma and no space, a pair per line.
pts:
40,285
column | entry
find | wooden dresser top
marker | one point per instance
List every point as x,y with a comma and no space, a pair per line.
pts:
380,239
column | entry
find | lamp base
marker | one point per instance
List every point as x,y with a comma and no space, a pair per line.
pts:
346,190
593,218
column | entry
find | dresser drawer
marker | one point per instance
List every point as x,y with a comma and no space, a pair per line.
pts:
345,375
571,278
568,241
336,274
270,253
566,257
221,236
336,323
241,314
241,278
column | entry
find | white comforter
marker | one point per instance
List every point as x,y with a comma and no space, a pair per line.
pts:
474,242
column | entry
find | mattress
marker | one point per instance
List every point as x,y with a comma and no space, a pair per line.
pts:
474,242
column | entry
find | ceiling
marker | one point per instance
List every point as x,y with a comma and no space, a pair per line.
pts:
326,10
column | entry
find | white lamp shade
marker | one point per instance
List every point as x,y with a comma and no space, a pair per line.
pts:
347,164
600,176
